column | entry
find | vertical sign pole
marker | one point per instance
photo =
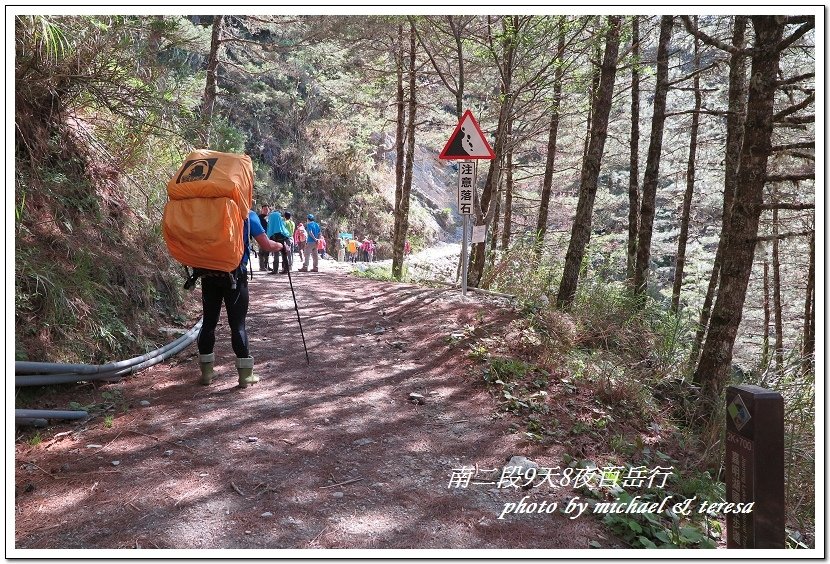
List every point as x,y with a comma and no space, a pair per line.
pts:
466,198
464,253
755,467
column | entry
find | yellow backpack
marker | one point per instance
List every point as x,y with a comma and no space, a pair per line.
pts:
208,201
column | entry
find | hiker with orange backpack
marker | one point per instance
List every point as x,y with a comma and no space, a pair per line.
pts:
206,225
351,250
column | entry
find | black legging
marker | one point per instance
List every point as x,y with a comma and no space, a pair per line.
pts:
280,238
214,291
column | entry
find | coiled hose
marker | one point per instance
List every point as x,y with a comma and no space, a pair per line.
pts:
47,373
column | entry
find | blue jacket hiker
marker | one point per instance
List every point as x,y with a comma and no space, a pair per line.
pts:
313,230
276,224
278,231
218,289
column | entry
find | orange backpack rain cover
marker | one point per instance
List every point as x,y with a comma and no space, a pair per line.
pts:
208,201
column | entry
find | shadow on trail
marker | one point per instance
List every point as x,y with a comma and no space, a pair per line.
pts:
328,455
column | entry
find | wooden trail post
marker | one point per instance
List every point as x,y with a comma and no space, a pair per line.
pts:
755,467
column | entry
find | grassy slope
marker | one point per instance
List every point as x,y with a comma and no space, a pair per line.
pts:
93,280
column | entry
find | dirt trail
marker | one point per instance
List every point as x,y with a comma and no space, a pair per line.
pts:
220,467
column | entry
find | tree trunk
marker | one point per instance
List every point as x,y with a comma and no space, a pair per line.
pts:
494,235
553,131
734,139
776,295
210,83
402,218
634,158
739,243
655,147
809,343
765,349
581,230
397,260
595,78
690,189
508,189
484,215
459,92
475,268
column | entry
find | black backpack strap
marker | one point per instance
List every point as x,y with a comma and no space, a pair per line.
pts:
200,272
191,277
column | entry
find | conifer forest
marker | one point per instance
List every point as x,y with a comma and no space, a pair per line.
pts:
650,233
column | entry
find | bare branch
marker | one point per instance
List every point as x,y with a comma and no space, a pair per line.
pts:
789,146
246,71
692,75
692,89
797,120
785,206
453,90
800,155
687,23
796,35
797,78
791,177
703,111
234,39
780,236
793,109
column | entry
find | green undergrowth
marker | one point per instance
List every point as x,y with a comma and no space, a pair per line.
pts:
93,279
668,528
620,432
608,381
377,272
605,382
647,503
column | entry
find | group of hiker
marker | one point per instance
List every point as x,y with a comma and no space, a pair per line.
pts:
304,239
355,250
308,242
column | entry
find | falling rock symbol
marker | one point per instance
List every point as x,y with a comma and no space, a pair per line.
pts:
467,141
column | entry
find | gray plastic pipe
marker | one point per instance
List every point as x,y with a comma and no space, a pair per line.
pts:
112,371
24,367
63,377
48,414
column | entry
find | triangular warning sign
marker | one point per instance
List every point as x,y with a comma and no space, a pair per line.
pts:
467,141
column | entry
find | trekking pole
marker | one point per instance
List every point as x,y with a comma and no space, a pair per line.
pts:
296,308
